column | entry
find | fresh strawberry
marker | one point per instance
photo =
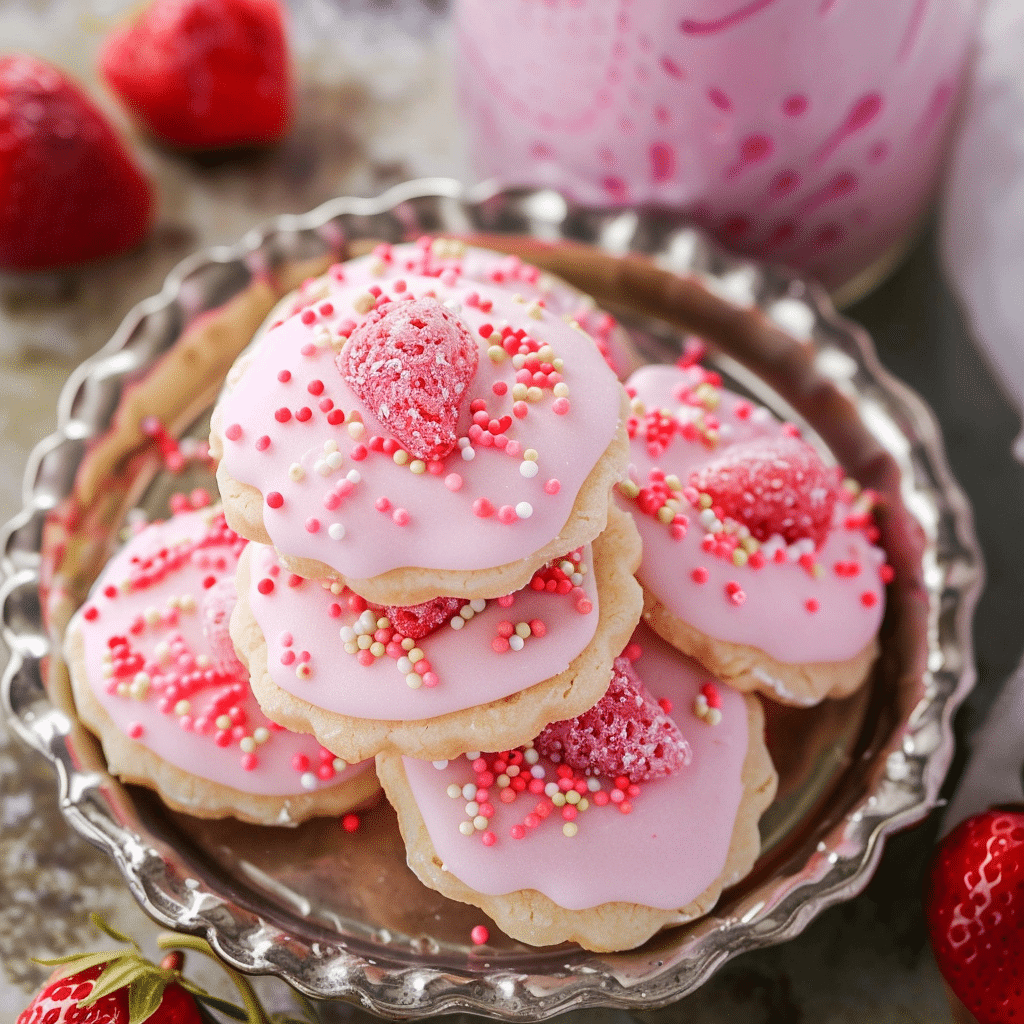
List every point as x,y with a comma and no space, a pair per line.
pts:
625,733
772,486
410,362
419,620
975,912
69,190
203,74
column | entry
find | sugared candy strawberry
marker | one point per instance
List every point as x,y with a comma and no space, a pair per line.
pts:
772,486
204,74
419,620
625,733
975,912
69,190
410,362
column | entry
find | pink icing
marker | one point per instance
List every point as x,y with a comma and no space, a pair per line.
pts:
471,664
665,852
495,506
793,611
200,556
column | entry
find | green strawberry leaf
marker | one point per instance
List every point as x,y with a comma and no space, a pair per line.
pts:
81,961
145,995
118,975
223,1006
111,931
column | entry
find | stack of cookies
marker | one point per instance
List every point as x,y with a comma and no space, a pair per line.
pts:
432,483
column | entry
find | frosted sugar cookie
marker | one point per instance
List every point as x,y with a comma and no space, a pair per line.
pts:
421,430
606,829
155,677
759,560
443,676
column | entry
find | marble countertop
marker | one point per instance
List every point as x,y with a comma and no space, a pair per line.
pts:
377,107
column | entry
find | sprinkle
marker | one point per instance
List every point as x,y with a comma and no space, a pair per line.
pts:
296,472
336,531
284,376
868,599
811,605
699,575
400,517
524,509
233,432
274,499
453,482
479,935
350,822
265,585
364,303
482,508
262,443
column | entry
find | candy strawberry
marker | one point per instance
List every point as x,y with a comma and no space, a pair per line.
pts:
203,74
975,911
419,620
410,362
772,486
69,190
625,733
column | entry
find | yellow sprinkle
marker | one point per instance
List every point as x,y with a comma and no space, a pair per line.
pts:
665,515
364,303
558,364
496,354
519,392
519,360
558,799
583,804
739,557
569,829
572,797
418,466
377,649
628,488
222,722
546,354
357,431
183,707
560,390
364,641
672,483
408,643
530,455
247,744
415,654
534,394
704,500
401,457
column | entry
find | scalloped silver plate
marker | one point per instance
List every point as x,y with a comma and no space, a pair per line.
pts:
821,847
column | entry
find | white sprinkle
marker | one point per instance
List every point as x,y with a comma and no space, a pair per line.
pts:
336,531
296,472
524,509
353,476
478,604
308,780
516,642
537,771
330,445
334,460
528,469
468,454
439,765
457,622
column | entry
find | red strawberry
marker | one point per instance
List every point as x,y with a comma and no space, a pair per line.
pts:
625,733
975,912
772,486
419,620
203,74
410,363
69,190
120,987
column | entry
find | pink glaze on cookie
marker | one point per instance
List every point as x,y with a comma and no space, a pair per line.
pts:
346,657
339,487
798,602
660,843
154,632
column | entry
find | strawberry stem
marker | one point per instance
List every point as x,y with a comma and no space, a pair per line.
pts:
254,1009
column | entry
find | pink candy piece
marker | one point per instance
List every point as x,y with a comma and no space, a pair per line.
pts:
410,363
625,733
419,620
772,486
217,604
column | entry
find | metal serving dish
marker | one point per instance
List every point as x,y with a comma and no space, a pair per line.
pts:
340,916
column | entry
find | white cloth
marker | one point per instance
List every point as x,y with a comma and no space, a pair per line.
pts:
982,240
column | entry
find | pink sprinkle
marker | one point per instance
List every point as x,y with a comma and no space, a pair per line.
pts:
400,517
300,762
308,316
560,406
735,593
479,935
233,432
499,387
382,504
249,762
312,524
309,349
315,387
633,652
365,658
500,645
488,839
334,611
335,417
513,448
274,499
284,376
304,414
506,628
135,730
482,508
287,639
552,486
262,443
699,575
326,308
332,500
520,409
287,657
430,679
811,605
507,514
537,627
453,482
326,404
359,452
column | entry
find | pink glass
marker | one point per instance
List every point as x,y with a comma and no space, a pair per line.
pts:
807,131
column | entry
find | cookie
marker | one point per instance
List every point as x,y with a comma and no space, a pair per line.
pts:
486,673
155,676
452,447
759,559
574,854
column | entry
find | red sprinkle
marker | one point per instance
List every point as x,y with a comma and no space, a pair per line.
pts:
350,823
479,935
284,376
699,575
265,585
315,387
283,415
811,605
308,316
274,499
868,599
91,614
262,443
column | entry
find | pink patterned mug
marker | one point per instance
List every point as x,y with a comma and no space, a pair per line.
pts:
807,131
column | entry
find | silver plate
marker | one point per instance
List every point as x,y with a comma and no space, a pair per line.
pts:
340,916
